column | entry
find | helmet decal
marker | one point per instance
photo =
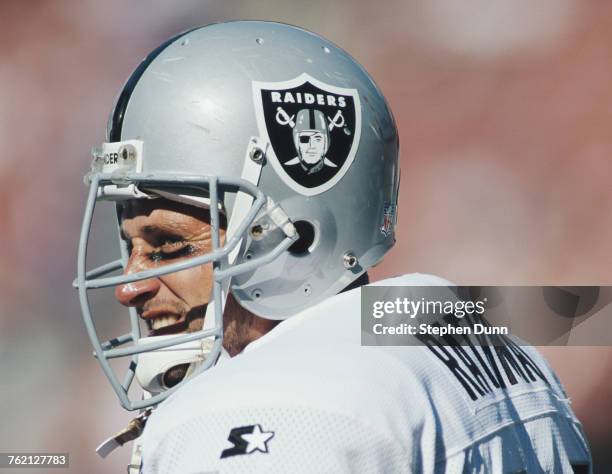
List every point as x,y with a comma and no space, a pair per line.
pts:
313,130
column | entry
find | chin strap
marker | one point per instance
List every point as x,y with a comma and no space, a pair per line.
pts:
134,430
152,366
136,426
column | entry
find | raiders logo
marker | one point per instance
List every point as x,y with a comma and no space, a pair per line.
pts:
313,130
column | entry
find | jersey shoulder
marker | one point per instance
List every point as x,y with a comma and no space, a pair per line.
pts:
312,375
313,362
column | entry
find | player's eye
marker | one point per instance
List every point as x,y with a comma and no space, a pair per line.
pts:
171,250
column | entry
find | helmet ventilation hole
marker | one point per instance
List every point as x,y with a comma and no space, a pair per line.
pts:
306,232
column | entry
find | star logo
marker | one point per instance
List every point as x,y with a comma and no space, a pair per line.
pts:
247,440
258,440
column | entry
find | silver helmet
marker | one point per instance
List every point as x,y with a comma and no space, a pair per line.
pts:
214,117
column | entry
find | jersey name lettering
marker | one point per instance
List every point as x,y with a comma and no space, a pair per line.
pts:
483,363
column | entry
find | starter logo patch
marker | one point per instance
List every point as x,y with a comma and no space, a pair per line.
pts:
313,130
247,440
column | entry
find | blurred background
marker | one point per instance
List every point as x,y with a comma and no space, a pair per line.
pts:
504,109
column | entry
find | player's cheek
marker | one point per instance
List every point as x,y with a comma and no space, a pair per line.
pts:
193,285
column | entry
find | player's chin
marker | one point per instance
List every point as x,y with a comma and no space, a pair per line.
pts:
195,324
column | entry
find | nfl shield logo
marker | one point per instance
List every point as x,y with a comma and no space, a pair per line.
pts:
313,130
389,216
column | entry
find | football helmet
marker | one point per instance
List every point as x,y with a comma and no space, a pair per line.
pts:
280,131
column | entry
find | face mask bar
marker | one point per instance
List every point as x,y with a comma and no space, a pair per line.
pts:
94,279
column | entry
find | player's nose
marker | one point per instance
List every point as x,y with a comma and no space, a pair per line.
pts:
137,292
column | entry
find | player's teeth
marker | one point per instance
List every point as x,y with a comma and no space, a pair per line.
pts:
164,321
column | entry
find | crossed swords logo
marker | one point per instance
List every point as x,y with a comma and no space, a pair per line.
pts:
283,118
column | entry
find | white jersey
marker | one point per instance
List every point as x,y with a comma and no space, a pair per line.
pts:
308,398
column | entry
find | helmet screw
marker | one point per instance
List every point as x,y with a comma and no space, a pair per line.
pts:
349,260
127,152
257,231
257,154
257,293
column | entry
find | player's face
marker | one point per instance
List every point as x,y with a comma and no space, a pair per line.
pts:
160,232
312,146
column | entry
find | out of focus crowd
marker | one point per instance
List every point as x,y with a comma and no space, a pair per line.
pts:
504,109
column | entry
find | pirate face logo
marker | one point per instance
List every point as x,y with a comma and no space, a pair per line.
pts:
311,146
311,140
313,129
